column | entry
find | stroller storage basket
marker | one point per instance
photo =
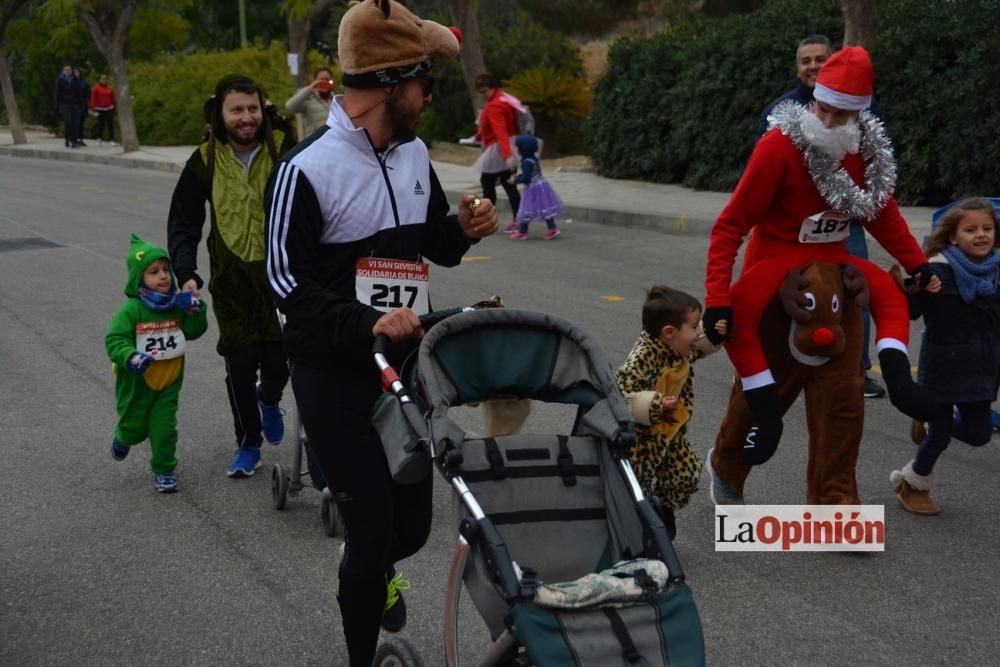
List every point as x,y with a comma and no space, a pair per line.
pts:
657,630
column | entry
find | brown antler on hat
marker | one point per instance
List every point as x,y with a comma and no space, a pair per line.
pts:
381,43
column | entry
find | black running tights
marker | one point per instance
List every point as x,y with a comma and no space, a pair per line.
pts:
384,521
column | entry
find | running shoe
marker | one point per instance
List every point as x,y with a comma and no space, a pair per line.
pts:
245,462
166,482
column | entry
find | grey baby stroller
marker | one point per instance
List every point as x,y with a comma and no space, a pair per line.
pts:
563,558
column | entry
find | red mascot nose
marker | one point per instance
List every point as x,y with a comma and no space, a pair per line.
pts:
822,337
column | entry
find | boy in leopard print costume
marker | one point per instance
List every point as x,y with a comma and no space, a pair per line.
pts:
656,380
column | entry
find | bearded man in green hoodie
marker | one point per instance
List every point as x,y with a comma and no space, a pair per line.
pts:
229,171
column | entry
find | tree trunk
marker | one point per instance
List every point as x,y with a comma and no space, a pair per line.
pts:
860,22
110,41
465,14
299,29
298,43
123,101
10,102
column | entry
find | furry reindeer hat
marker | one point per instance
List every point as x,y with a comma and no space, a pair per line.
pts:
382,43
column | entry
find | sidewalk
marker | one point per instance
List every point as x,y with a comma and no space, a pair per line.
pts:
588,197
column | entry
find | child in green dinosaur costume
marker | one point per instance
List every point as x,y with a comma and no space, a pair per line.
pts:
146,341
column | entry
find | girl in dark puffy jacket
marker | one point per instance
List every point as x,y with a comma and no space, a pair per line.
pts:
960,360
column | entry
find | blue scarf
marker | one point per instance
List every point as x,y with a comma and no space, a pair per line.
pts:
974,279
155,300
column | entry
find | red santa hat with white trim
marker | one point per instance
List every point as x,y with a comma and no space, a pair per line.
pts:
846,80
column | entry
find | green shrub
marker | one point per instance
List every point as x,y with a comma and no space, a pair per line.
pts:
683,107
551,93
935,73
511,46
511,42
559,101
169,92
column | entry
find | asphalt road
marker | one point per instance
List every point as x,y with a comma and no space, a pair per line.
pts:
99,569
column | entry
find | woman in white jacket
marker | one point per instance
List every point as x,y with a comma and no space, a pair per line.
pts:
312,102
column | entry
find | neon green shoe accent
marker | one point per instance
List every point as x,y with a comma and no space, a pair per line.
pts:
393,586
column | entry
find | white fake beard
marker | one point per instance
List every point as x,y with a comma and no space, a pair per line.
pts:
835,141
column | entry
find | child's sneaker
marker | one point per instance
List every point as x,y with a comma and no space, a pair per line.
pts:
722,493
272,422
245,462
118,450
512,227
394,616
518,236
166,482
551,234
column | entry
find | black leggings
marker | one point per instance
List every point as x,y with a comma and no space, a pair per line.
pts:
241,383
384,521
489,183
974,428
105,119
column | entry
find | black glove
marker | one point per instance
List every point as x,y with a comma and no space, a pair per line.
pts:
713,316
922,275
765,409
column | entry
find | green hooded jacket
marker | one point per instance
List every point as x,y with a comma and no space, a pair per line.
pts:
243,306
135,323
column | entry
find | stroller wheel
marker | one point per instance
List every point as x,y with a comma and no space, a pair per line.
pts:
397,652
329,514
279,487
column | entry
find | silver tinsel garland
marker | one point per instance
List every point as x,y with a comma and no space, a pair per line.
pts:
835,185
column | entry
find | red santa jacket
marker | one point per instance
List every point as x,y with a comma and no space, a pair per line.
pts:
774,196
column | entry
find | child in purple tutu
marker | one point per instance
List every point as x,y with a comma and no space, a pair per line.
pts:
538,201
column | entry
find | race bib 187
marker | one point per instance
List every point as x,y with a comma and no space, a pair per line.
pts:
160,340
386,284
825,227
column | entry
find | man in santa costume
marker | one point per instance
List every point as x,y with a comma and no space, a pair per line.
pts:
815,169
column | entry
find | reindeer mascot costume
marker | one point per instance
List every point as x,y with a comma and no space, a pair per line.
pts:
814,170
812,337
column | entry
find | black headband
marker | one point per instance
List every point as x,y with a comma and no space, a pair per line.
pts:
389,76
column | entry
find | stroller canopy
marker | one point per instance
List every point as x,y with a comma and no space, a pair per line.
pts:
506,353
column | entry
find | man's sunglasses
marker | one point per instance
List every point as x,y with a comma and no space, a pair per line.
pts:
427,84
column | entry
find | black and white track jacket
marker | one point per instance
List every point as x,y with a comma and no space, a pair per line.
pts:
335,199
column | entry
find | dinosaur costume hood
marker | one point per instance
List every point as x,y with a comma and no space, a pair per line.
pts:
140,255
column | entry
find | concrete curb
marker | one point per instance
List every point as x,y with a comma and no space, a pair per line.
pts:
140,161
668,224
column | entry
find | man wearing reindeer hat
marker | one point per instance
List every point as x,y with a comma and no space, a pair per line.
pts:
360,191
815,169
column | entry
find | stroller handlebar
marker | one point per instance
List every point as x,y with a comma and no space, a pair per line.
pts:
381,343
